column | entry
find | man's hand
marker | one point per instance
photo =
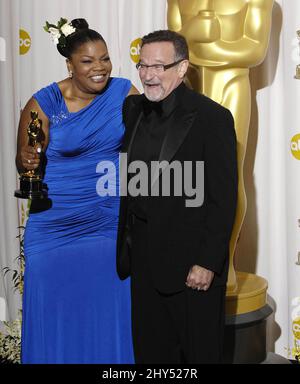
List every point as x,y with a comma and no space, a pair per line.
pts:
199,278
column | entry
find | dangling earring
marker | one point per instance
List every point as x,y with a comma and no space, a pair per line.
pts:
70,74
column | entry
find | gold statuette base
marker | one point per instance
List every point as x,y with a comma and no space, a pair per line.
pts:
31,188
250,295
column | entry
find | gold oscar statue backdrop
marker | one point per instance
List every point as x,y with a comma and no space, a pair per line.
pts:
225,39
271,232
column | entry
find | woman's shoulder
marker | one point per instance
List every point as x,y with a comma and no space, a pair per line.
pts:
119,87
50,91
120,82
49,98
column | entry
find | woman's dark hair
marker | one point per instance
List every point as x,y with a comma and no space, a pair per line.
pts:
81,36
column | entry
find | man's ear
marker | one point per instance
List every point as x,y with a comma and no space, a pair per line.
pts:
183,67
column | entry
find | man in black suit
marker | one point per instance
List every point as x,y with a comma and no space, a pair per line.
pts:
175,248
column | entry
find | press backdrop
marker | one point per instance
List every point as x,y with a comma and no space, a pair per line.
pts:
269,243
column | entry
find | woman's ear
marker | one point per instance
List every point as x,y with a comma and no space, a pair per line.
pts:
70,68
68,65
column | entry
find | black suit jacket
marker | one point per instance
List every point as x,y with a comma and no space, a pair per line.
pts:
180,237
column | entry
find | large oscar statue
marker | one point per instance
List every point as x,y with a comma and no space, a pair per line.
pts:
226,38
31,182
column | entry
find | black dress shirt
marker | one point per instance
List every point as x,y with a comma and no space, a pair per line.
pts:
148,141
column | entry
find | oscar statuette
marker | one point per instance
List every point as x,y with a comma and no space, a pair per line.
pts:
31,182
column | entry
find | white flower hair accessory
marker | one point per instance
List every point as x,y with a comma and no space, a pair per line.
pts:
60,31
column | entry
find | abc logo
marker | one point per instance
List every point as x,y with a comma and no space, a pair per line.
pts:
25,42
135,48
295,146
296,328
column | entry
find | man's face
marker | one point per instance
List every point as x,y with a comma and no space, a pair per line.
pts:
159,84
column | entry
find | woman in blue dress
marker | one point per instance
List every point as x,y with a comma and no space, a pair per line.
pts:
75,309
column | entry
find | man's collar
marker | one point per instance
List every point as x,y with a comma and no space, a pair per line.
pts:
164,107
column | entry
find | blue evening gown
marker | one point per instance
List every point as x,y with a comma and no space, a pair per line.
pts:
75,308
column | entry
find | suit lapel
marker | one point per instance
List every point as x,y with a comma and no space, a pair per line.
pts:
132,136
179,126
135,116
